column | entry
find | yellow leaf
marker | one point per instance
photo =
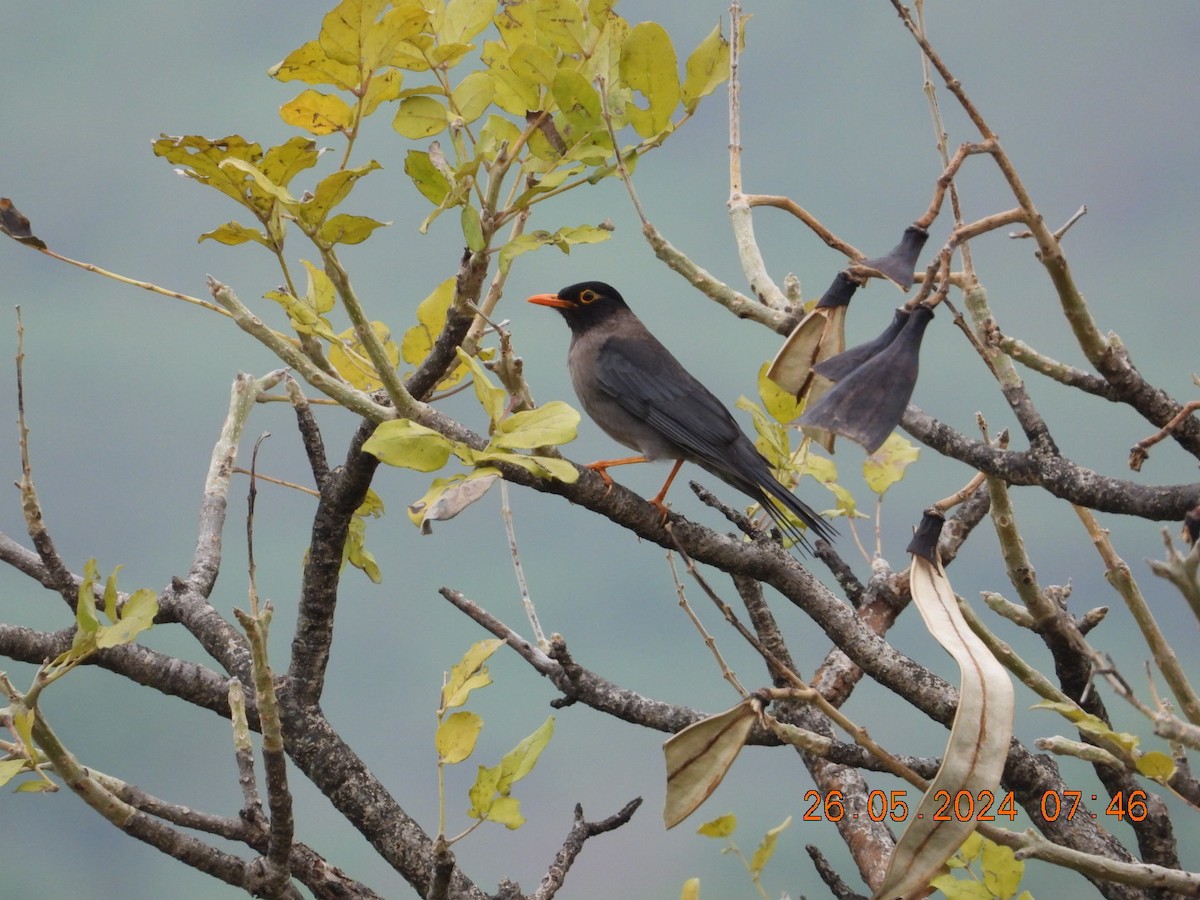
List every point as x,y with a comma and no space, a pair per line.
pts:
720,827
519,761
456,736
312,65
469,673
431,319
318,113
648,66
1002,871
691,890
507,812
402,442
514,93
466,18
550,424
766,849
1156,765
447,497
473,95
384,86
887,465
349,357
783,406
353,33
533,63
707,67
544,466
137,615
491,398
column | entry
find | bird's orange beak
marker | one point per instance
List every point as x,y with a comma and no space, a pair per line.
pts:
551,300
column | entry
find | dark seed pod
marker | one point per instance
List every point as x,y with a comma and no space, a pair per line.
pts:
900,263
838,367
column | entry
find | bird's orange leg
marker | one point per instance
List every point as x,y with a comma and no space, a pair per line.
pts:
657,502
601,467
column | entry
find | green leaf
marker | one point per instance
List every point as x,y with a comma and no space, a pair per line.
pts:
563,239
137,615
468,674
551,424
430,181
420,117
578,101
456,736
347,229
520,760
10,769
472,229
706,68
86,620
473,95
766,849
402,442
233,233
318,113
496,132
887,465
110,595
355,551
533,63
648,66
720,827
543,466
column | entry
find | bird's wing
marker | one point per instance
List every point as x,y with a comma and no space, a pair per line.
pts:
649,383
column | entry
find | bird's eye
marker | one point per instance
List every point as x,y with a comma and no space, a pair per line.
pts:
588,297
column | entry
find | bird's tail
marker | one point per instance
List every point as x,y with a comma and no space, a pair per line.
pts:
784,507
779,502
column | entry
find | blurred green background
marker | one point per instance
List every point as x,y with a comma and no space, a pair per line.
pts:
126,391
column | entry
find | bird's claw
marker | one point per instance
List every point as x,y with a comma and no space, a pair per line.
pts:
602,471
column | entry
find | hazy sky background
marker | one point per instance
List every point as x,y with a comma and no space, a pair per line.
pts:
1095,102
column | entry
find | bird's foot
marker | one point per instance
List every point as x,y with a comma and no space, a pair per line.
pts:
664,509
601,469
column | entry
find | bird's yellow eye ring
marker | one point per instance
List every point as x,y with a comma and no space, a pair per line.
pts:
588,297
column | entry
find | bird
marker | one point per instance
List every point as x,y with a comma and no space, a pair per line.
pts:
641,396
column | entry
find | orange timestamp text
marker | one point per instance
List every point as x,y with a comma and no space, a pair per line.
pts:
963,806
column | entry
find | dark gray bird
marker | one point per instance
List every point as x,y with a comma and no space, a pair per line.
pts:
634,389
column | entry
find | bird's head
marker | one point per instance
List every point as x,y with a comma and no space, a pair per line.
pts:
585,304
